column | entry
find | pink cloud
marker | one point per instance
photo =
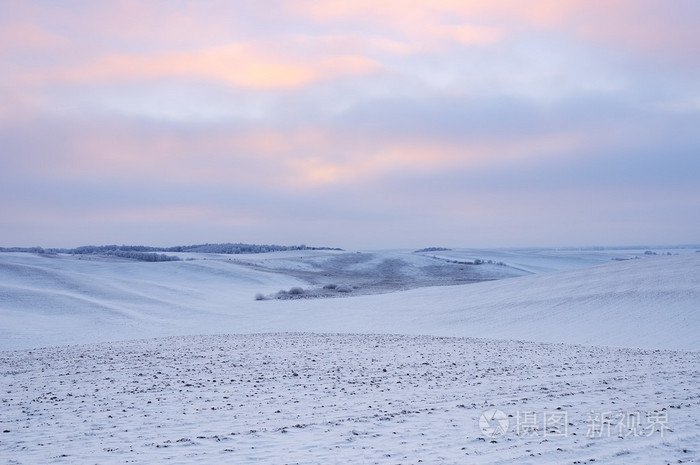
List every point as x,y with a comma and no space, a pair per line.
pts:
424,23
143,43
238,64
29,38
353,163
288,160
641,25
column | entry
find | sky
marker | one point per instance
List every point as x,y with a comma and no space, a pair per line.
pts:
350,123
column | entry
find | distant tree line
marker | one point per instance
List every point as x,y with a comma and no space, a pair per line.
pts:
147,253
23,249
432,249
144,256
241,248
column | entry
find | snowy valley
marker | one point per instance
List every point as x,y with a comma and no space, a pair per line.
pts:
537,357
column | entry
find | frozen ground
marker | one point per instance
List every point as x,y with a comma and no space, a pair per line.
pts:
392,377
315,398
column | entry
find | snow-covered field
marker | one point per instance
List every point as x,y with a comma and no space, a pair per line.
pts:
590,360
315,398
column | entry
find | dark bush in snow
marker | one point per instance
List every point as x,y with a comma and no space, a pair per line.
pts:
143,256
432,249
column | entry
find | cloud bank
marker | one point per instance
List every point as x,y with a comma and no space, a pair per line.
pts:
353,124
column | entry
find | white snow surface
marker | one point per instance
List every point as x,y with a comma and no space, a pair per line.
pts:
334,398
106,360
44,301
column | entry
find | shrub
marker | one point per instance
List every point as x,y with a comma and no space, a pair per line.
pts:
296,291
432,249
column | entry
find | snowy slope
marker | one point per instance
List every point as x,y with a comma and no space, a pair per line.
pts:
46,301
652,303
395,391
63,299
545,260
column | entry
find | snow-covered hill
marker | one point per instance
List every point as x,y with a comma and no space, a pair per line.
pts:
51,300
363,379
651,303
